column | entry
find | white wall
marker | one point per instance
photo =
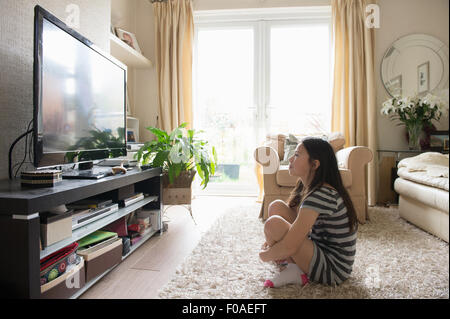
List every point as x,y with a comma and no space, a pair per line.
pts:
399,18
146,89
16,60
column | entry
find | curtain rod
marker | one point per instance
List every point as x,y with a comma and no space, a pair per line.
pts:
152,1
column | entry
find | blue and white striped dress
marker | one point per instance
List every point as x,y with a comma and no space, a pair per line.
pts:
334,244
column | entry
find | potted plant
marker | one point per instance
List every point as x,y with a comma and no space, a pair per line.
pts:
416,113
181,155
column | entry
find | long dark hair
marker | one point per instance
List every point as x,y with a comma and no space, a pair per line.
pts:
327,172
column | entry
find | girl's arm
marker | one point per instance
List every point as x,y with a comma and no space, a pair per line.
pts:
293,239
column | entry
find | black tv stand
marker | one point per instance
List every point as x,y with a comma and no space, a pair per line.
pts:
20,226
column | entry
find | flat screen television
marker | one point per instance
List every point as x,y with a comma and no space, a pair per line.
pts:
79,97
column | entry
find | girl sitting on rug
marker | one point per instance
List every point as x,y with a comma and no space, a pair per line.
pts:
315,232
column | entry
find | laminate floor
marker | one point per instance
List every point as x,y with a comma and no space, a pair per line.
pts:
151,266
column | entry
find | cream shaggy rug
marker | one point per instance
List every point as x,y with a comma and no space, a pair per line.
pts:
394,259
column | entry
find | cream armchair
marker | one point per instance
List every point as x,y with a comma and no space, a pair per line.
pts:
277,183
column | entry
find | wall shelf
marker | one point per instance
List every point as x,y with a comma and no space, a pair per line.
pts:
127,55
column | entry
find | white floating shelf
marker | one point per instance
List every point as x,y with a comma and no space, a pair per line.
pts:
126,54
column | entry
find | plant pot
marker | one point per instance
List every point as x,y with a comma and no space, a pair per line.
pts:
180,191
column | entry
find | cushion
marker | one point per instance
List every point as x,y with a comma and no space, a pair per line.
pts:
428,168
336,140
290,144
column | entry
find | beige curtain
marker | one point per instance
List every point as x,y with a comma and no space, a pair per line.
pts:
354,91
174,33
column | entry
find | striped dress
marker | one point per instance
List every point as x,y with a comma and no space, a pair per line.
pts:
334,244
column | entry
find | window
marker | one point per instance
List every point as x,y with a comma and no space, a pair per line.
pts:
259,71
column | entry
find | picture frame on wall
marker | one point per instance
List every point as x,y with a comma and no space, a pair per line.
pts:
129,38
423,77
439,141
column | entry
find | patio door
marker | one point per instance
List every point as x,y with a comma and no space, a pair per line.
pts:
257,72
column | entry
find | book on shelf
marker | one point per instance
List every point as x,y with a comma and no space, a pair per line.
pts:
95,237
131,200
88,249
86,216
118,226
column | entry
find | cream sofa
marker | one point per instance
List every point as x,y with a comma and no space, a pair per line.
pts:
423,188
277,183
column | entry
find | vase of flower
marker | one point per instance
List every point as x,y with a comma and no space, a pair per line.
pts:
416,113
414,134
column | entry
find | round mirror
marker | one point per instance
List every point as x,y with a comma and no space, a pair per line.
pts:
415,64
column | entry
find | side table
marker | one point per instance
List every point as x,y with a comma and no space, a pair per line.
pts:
388,173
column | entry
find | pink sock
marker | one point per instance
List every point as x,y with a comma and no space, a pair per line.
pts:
292,274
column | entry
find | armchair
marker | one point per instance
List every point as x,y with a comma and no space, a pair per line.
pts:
277,183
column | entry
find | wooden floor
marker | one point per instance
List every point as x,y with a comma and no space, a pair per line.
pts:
152,265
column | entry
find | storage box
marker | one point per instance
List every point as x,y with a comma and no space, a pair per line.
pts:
55,227
66,285
56,264
97,262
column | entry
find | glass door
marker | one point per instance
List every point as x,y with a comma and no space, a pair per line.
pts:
224,106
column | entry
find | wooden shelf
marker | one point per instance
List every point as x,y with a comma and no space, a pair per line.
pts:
127,55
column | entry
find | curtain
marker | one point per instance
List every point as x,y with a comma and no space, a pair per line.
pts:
354,90
174,28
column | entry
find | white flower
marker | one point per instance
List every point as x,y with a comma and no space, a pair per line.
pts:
388,107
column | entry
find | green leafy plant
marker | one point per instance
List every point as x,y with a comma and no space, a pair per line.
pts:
180,151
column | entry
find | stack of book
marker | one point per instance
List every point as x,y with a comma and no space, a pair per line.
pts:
89,210
131,200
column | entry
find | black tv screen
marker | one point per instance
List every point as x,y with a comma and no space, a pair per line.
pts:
79,97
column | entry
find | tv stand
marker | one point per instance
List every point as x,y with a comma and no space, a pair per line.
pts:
20,224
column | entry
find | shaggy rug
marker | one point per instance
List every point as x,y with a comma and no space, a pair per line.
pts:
394,259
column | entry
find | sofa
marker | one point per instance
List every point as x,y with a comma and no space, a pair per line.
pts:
422,185
276,183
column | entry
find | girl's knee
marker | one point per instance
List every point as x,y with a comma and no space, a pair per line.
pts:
274,222
275,227
275,207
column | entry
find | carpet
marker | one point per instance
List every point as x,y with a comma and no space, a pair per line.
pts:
394,259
